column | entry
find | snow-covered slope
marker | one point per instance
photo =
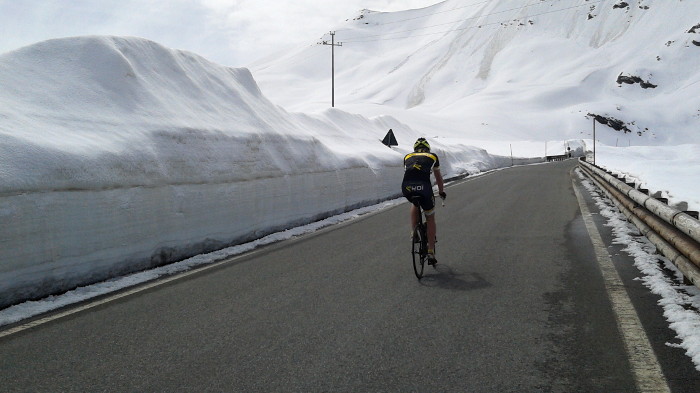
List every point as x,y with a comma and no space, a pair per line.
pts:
511,70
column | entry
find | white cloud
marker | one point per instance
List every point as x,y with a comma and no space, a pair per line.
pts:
230,32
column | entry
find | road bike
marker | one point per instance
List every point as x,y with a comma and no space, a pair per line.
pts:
419,240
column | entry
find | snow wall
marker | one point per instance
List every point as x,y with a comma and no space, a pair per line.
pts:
117,155
53,241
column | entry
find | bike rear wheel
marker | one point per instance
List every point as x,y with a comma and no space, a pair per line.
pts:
419,248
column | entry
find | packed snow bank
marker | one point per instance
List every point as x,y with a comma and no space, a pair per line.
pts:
670,170
117,154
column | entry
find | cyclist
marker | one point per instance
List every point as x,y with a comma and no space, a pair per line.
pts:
416,182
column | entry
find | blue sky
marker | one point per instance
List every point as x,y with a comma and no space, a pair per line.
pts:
229,32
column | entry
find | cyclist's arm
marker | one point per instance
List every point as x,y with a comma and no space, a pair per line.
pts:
438,180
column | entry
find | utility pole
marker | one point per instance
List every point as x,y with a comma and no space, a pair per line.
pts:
511,155
593,140
333,44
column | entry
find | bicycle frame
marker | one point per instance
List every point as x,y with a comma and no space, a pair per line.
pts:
419,242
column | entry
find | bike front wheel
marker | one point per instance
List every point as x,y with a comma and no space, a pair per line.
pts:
419,249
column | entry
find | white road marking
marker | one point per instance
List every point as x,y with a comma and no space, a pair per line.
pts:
350,217
645,366
91,304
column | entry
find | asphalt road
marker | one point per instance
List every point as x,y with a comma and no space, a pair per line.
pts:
517,303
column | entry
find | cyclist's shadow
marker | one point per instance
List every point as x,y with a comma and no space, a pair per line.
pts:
443,276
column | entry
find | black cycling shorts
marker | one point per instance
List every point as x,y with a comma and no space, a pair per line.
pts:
422,190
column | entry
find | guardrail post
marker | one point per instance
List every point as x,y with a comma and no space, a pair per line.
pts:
674,232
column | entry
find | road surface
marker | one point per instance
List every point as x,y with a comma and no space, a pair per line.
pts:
517,303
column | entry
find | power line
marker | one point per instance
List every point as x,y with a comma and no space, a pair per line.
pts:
293,59
449,23
463,28
441,24
427,15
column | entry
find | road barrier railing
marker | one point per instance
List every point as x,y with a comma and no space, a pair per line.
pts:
675,233
561,157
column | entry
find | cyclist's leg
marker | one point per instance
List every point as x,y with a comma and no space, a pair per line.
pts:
409,191
432,229
414,216
428,204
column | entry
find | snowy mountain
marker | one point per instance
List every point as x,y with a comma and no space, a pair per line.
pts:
511,70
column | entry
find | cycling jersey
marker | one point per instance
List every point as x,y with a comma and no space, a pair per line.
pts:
419,165
416,179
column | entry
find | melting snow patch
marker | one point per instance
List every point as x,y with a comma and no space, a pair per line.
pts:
681,303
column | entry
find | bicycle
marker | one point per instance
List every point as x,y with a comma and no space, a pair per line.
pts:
419,241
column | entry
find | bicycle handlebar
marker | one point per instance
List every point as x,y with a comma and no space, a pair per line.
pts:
441,199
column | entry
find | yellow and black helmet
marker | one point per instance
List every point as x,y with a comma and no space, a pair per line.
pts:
421,144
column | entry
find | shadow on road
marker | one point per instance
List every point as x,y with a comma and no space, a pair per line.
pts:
443,276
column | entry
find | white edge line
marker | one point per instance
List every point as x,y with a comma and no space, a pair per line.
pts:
141,281
139,288
645,366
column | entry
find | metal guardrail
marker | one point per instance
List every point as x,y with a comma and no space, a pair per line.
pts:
676,234
560,157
